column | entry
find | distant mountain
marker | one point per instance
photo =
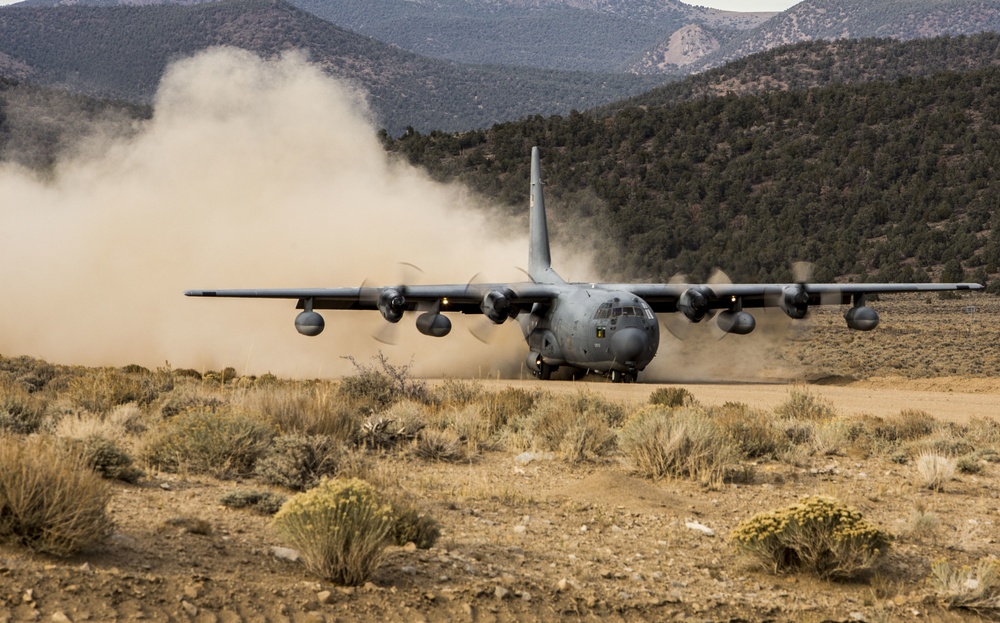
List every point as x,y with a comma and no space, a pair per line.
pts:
581,35
812,20
121,52
823,63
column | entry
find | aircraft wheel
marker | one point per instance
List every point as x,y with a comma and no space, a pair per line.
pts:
616,376
546,372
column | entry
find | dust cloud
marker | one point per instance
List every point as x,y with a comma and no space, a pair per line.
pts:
251,174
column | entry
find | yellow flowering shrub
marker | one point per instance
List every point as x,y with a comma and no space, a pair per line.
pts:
340,528
818,534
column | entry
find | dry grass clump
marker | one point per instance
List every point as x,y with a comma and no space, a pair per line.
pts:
50,499
684,443
340,528
189,397
501,408
969,588
223,443
101,389
801,405
577,427
458,393
923,523
260,502
934,470
439,445
309,409
817,534
31,374
299,462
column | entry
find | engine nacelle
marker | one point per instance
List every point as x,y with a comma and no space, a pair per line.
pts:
795,301
534,361
309,323
392,304
738,322
497,307
693,304
861,318
433,324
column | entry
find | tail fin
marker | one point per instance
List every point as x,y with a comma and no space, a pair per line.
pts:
539,259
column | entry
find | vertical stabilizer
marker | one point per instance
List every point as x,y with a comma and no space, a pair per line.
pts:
539,259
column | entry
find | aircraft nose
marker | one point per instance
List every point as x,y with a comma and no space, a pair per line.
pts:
628,343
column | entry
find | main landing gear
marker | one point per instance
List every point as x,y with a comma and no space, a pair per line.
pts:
617,376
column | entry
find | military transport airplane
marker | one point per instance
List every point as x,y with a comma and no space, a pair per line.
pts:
607,328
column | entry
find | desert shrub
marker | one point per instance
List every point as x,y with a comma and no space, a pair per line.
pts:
190,398
934,470
439,445
969,464
381,383
108,459
261,502
801,405
753,432
413,526
577,427
224,443
969,588
298,462
817,534
30,374
20,412
401,422
50,500
341,529
684,443
908,425
982,432
671,397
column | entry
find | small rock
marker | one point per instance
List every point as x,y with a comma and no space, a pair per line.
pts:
324,597
520,529
408,570
315,617
285,553
410,547
694,525
525,596
60,617
370,586
192,591
85,567
28,596
527,457
857,616
500,592
189,607
165,486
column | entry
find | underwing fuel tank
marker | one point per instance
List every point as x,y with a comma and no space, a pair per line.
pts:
861,318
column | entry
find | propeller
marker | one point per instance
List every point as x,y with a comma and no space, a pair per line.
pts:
693,306
389,332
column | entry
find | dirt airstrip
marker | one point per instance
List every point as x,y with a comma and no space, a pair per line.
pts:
545,539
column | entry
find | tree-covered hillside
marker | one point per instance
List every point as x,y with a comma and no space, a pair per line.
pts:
886,181
811,20
121,52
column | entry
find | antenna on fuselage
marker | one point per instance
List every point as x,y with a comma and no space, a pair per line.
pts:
539,257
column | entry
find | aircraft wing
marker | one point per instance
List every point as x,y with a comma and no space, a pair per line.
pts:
464,298
664,297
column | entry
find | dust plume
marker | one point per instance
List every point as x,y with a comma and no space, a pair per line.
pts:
251,174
